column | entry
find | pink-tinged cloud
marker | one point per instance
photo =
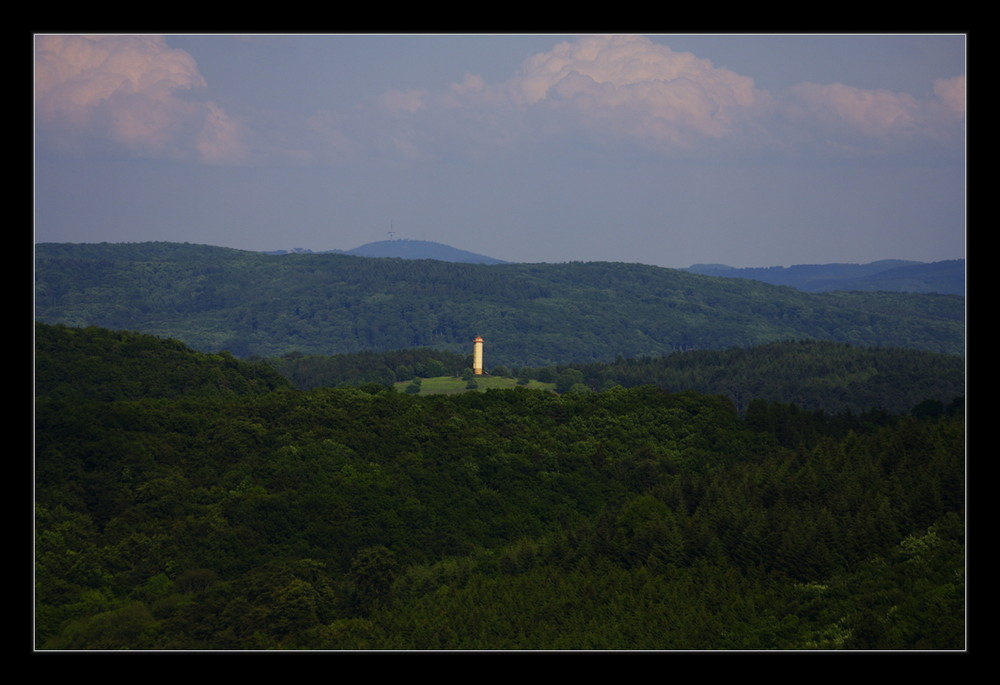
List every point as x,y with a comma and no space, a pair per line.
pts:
615,88
878,119
951,91
404,101
641,89
126,89
606,87
869,112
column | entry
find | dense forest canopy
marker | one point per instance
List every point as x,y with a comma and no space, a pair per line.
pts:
96,363
197,501
946,277
815,375
253,304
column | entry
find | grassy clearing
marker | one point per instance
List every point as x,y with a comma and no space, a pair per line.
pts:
450,385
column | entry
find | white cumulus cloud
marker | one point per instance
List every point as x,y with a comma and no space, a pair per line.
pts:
952,93
628,85
632,88
863,121
127,90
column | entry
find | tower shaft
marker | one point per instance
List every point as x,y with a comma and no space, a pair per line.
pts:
477,356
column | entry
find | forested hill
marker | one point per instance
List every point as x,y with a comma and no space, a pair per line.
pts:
99,364
201,516
814,375
946,277
530,314
420,249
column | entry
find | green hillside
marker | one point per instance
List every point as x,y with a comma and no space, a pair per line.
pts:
253,304
449,385
209,512
814,375
96,363
946,277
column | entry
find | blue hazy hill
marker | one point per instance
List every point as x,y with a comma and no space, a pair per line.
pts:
420,249
891,275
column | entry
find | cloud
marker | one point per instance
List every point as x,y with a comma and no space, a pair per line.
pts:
128,90
878,120
605,90
628,88
405,101
681,96
137,94
951,91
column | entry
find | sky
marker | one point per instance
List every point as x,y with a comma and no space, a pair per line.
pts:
671,150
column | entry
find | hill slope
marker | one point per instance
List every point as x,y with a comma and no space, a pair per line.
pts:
512,519
530,314
420,249
95,363
816,376
946,277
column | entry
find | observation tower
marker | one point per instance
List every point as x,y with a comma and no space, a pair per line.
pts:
477,356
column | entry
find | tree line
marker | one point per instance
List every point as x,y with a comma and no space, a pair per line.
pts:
818,376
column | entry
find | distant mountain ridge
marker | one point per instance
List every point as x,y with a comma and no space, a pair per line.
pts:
892,275
403,249
421,249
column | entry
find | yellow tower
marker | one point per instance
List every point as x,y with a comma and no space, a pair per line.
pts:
477,356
